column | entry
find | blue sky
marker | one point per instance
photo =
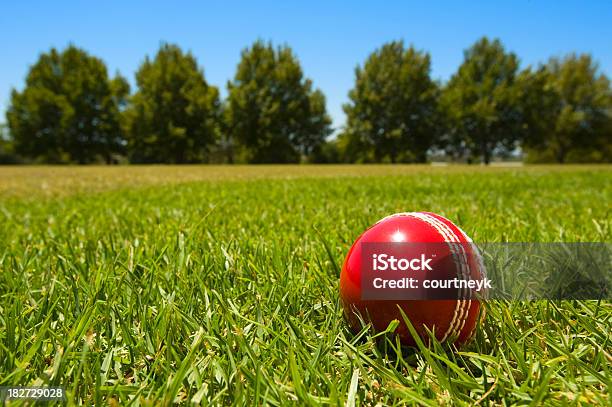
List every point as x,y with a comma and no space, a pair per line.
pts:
329,37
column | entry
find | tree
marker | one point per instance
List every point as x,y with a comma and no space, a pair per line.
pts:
273,113
69,110
393,109
568,111
481,102
174,115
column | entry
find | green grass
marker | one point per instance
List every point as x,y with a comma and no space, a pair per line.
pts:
221,286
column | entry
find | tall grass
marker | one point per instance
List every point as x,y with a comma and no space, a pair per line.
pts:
224,290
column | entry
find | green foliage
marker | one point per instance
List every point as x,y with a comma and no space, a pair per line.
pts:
272,110
481,103
393,110
568,111
69,110
216,293
174,115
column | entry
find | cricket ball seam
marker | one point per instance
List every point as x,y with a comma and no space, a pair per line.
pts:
462,309
450,237
465,305
483,273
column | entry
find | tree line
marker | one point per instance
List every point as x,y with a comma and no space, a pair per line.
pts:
72,111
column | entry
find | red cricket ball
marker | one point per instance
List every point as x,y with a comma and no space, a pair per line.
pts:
451,320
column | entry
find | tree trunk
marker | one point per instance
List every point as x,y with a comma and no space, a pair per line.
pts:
561,156
108,159
486,153
377,155
180,157
230,151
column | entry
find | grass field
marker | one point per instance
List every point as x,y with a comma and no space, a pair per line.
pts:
220,285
